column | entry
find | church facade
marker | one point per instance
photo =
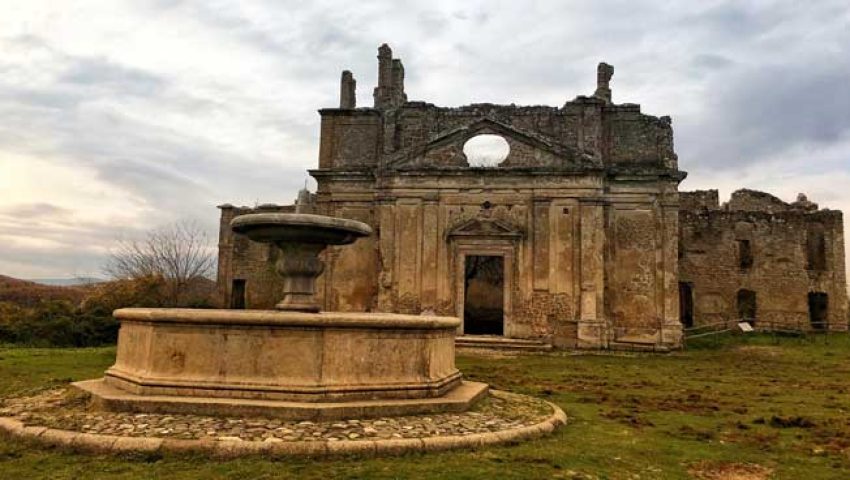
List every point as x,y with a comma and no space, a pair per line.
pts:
570,236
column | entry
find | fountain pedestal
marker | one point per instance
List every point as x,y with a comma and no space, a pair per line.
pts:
301,237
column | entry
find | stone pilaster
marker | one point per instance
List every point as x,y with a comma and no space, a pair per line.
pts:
592,327
671,328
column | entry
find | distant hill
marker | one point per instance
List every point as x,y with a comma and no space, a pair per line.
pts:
65,282
28,294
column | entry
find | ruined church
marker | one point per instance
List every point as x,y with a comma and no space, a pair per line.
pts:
575,235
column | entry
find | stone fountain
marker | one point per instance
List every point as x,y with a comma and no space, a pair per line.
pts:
294,362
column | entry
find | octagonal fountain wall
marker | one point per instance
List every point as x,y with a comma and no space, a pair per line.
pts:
280,355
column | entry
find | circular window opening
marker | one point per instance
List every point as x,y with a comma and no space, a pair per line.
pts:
486,150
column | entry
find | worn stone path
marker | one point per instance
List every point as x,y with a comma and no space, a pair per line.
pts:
65,409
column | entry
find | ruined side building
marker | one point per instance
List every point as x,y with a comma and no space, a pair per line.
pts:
574,237
779,266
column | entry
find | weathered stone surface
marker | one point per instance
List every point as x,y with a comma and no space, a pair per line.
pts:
280,355
107,397
589,192
785,254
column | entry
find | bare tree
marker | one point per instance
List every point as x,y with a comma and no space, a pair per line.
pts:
180,254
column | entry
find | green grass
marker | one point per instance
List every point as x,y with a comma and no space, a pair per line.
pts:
734,401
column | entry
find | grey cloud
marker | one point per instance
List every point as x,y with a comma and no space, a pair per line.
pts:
734,20
710,61
35,210
763,78
101,73
762,110
60,261
167,168
432,21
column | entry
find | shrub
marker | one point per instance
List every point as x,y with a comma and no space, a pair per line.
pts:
55,323
63,323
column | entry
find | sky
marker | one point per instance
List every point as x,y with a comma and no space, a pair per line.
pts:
118,117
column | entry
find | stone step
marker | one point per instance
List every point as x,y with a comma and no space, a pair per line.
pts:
491,342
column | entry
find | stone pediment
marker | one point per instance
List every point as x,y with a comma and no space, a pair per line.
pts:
485,227
527,150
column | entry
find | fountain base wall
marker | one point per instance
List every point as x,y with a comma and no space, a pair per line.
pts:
283,356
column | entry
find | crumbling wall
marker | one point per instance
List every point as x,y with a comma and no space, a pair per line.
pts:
777,237
755,201
583,210
368,138
699,200
251,262
632,137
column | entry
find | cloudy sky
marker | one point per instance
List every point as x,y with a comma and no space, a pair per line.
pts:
120,116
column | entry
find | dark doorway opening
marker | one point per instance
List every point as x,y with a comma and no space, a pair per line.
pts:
747,306
686,304
483,295
818,309
237,294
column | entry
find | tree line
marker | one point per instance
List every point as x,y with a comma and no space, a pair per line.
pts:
168,267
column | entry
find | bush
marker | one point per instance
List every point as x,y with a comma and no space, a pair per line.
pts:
62,323
148,291
55,323
110,296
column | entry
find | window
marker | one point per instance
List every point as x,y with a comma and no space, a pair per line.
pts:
745,254
815,250
486,150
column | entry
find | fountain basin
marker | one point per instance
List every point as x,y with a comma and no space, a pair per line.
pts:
300,228
278,355
301,237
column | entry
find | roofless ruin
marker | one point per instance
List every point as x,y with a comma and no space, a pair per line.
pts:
575,235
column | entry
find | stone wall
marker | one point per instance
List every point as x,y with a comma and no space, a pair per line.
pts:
240,259
758,243
583,209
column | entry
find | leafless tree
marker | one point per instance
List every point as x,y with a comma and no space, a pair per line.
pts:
180,254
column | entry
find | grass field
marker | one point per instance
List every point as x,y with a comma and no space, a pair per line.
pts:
773,408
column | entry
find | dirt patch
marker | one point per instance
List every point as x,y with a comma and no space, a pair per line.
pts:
627,418
729,471
696,433
760,350
791,422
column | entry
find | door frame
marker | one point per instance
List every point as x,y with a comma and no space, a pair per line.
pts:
492,248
